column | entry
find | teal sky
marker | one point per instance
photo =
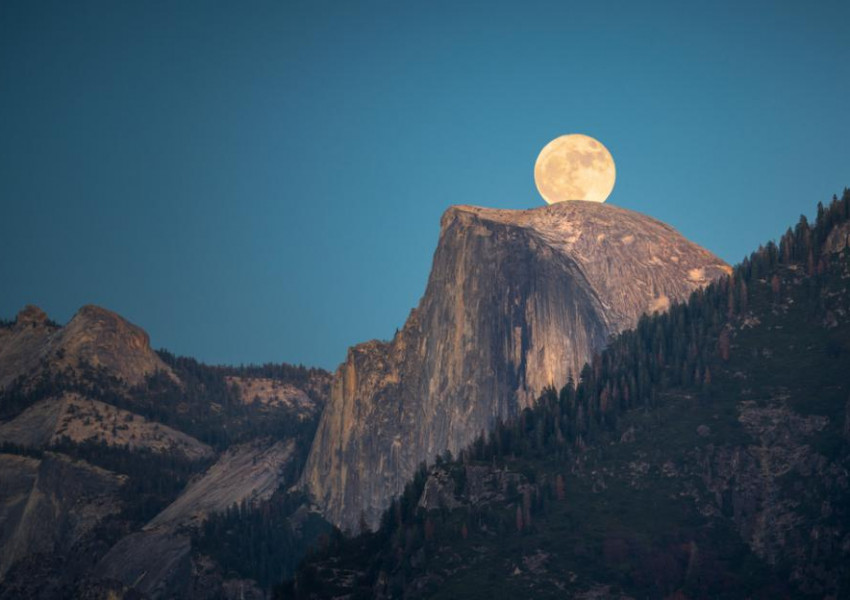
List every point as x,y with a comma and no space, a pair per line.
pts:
263,181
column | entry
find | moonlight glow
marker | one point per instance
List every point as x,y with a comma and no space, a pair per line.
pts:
574,167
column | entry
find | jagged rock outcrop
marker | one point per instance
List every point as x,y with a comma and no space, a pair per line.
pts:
25,343
516,301
94,336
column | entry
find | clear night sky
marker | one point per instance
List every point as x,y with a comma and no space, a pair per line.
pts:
265,183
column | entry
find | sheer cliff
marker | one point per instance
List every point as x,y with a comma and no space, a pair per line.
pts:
515,303
705,455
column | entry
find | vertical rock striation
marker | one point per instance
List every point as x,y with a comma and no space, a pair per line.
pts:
516,301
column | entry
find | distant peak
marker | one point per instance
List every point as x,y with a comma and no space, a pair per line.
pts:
108,322
93,314
92,311
31,314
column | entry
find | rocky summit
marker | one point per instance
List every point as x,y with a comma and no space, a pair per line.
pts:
93,338
517,301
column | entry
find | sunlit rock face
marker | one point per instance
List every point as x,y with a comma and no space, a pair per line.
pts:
516,301
95,336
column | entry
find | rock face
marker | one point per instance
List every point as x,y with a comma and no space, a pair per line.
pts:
77,419
246,473
516,301
47,505
155,563
24,344
94,336
272,393
838,239
157,560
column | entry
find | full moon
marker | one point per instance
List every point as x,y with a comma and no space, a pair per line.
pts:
574,167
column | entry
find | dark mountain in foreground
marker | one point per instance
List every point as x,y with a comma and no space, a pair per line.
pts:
516,301
703,455
114,458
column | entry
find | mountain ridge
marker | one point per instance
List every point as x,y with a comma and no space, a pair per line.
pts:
94,337
157,445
